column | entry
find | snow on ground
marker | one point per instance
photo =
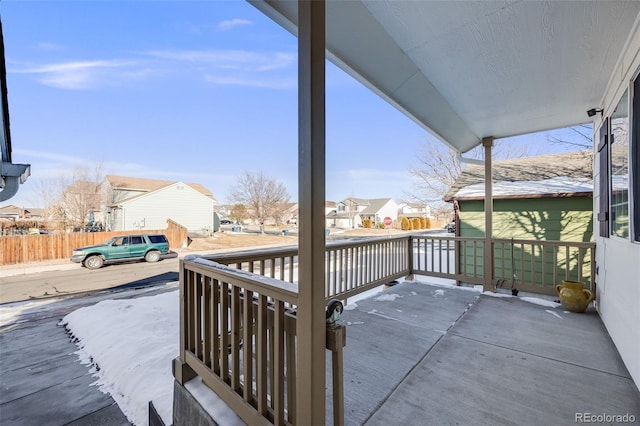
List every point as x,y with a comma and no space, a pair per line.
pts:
131,344
13,312
541,302
389,297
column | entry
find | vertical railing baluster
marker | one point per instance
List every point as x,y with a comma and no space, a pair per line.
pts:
522,255
215,327
282,263
336,272
207,308
290,373
261,356
352,267
279,372
190,302
235,338
567,263
579,263
271,357
198,319
532,264
247,346
475,257
543,255
224,331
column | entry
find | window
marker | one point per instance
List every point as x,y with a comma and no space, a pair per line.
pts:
137,239
158,239
121,241
619,157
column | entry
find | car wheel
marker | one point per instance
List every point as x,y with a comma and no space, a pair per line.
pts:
94,262
152,256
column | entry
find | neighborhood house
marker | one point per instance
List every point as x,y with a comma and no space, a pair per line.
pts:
138,204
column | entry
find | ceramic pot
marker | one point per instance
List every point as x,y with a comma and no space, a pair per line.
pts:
573,296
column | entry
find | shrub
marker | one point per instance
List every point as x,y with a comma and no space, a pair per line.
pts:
405,224
366,223
416,223
381,226
427,223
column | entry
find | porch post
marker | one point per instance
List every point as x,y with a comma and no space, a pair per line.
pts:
487,143
311,330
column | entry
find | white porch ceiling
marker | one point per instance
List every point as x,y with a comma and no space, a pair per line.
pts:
465,70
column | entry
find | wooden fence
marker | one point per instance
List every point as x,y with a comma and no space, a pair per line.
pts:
36,248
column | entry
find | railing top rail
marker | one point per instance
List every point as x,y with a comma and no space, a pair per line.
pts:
447,238
267,286
546,242
363,241
268,253
245,256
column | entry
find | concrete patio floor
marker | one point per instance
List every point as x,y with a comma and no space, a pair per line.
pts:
416,354
419,354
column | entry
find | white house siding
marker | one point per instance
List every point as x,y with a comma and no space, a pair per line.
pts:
618,287
178,202
389,209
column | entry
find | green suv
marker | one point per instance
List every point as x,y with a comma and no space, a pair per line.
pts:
124,247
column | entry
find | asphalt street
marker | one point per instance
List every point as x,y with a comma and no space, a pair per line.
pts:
77,280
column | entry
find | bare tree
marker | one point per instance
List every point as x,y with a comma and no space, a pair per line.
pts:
583,140
262,195
238,213
438,167
74,196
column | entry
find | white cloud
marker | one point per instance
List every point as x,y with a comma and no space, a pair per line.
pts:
232,23
232,67
51,156
230,59
49,46
263,83
270,70
76,75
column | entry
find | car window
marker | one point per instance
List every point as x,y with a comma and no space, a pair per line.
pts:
157,239
137,239
121,241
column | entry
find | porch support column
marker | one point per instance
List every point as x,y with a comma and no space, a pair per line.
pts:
311,329
487,143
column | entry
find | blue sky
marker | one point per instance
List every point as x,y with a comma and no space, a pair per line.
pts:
196,91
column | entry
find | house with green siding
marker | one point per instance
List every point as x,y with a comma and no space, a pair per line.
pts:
542,198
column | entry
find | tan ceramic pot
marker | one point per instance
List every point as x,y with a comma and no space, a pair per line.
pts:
574,296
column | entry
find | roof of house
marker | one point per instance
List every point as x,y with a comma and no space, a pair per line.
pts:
375,205
569,172
26,211
356,201
147,185
414,205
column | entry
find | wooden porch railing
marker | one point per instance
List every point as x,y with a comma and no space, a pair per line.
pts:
238,310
